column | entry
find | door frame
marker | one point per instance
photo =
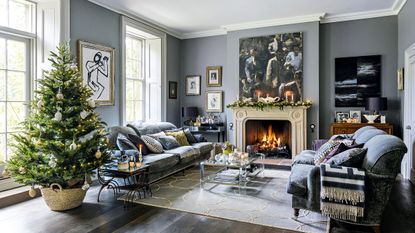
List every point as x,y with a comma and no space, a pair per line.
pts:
409,93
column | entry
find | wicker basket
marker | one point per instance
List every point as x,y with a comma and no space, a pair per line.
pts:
60,199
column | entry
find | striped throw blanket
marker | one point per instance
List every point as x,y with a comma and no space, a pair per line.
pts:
342,192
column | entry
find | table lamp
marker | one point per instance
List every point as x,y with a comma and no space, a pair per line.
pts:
190,113
374,105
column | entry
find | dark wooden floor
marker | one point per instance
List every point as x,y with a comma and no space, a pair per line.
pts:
110,216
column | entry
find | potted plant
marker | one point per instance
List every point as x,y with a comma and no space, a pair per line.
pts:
63,139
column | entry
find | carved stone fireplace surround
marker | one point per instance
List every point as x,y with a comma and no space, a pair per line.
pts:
296,115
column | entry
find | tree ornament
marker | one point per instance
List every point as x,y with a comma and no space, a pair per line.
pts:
58,116
84,114
32,192
74,67
59,96
40,104
5,173
52,161
91,103
73,146
98,154
22,170
85,186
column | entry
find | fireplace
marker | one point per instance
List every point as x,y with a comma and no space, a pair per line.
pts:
291,120
270,137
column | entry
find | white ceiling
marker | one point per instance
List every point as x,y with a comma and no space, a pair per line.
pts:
195,18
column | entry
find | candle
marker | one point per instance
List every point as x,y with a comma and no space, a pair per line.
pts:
259,94
267,95
237,97
140,146
292,98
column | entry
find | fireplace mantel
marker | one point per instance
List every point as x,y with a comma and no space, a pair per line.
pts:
296,115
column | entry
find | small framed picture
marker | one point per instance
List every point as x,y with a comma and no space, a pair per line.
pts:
356,116
214,101
214,76
96,64
172,90
193,84
342,116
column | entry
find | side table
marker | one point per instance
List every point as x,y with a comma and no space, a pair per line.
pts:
137,179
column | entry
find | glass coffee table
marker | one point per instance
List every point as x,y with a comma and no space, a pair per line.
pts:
237,173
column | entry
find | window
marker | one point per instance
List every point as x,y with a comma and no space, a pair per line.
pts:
16,37
134,78
17,14
142,83
14,88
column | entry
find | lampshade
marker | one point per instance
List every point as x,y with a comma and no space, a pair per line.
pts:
191,112
376,104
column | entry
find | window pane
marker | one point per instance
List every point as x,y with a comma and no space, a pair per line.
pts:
10,140
129,111
20,15
138,107
2,117
131,71
2,53
3,13
2,85
16,113
138,90
16,54
16,86
129,92
3,147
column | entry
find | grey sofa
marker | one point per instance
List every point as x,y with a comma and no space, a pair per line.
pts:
170,161
381,164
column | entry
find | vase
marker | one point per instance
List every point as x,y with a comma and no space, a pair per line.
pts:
59,199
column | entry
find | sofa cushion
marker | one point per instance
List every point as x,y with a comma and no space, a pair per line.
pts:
115,130
185,153
124,143
152,144
139,142
367,135
203,147
144,128
190,138
168,142
165,126
358,132
160,162
157,135
349,158
297,182
324,150
305,157
180,137
340,148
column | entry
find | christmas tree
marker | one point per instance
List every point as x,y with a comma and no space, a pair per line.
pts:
63,140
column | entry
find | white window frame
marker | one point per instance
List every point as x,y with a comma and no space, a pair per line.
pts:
125,21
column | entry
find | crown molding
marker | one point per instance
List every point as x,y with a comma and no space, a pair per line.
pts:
198,34
274,22
394,10
139,18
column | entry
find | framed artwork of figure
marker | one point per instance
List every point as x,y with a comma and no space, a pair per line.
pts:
214,101
214,76
193,84
96,64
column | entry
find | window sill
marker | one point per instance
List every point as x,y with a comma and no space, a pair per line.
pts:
14,196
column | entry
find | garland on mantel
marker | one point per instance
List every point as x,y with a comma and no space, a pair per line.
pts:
274,104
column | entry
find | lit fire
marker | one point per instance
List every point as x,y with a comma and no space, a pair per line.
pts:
270,140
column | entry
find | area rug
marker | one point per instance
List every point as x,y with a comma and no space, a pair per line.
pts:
264,201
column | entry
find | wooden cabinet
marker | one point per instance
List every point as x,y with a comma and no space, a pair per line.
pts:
349,128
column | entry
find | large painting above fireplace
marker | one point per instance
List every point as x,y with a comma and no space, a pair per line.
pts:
271,66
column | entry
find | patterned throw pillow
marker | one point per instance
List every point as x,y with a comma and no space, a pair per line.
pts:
169,142
124,143
137,142
157,135
339,149
349,158
152,144
189,136
324,150
179,136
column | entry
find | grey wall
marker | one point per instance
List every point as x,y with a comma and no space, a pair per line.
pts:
97,24
173,74
224,50
376,36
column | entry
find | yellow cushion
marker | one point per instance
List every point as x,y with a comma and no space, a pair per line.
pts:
179,136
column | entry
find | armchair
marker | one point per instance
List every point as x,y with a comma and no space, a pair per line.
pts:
381,164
